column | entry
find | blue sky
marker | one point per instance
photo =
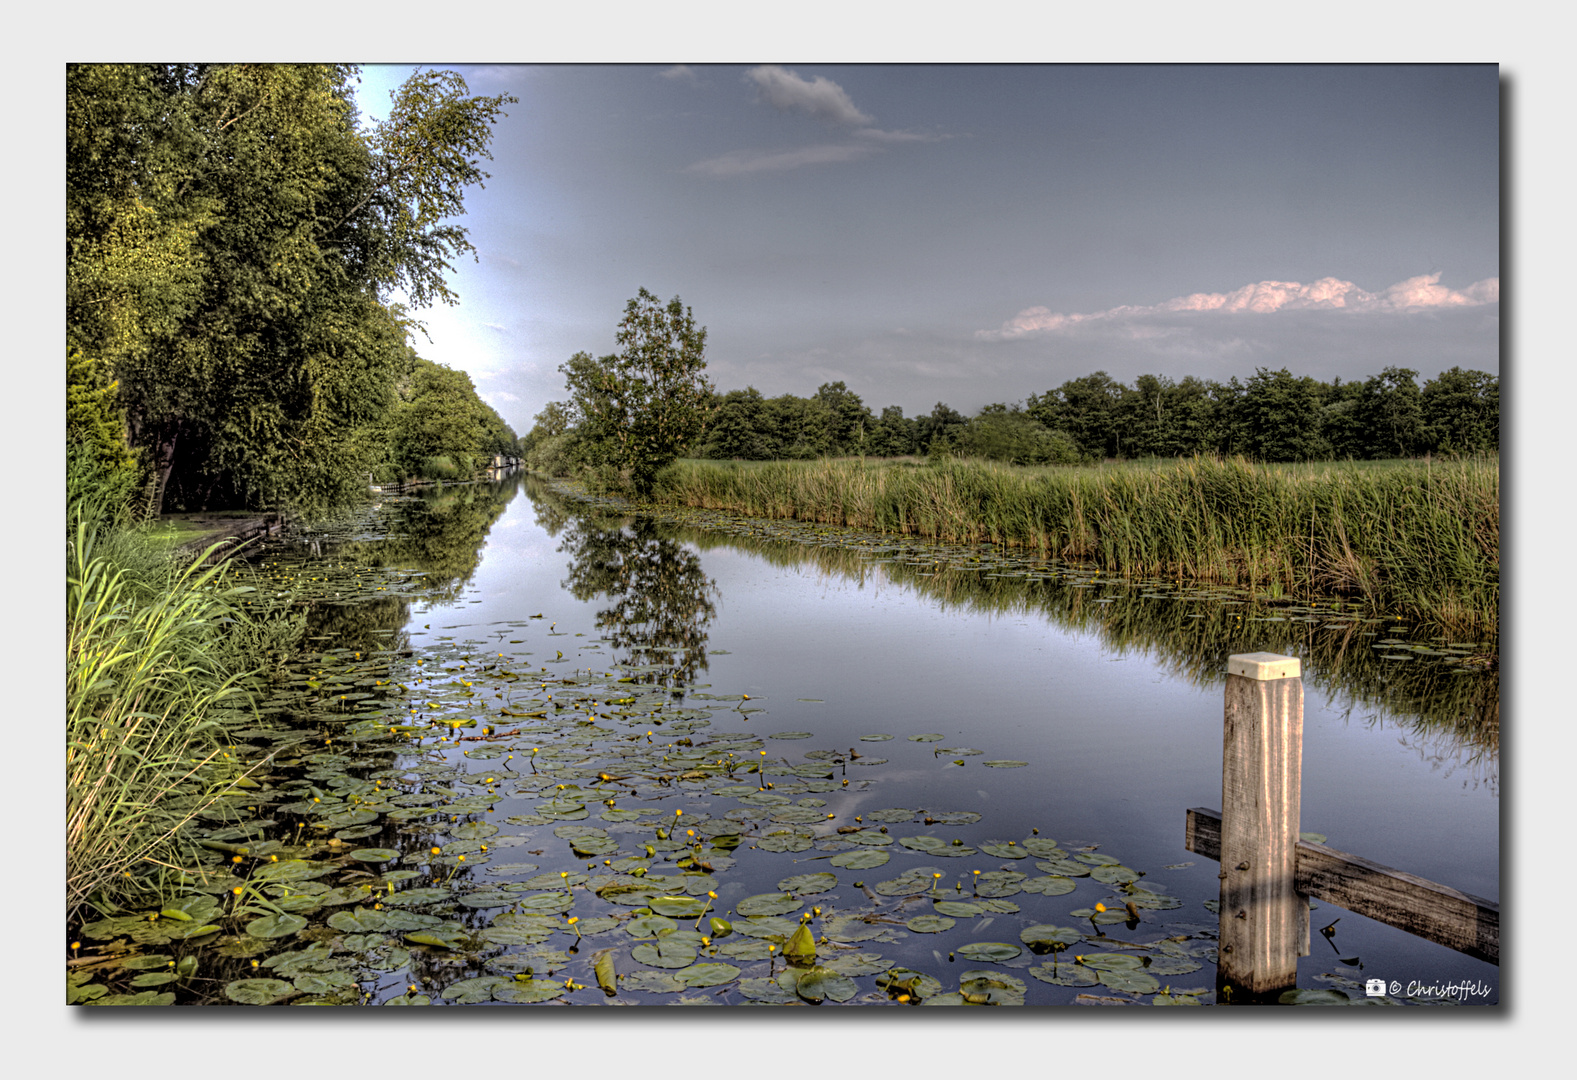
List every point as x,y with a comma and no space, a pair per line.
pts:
978,233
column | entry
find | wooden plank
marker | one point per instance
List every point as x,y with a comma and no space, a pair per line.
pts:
1458,920
1264,920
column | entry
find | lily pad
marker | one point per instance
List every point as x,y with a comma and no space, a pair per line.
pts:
375,855
779,903
863,859
1064,973
664,953
1114,874
360,921
550,903
1044,937
808,884
821,983
709,974
906,981
1004,764
991,988
680,907
855,964
276,926
990,952
1133,982
650,982
257,991
527,991
930,924
926,738
1314,997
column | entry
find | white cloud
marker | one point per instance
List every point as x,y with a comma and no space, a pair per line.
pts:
742,162
681,73
820,97
1327,294
496,326
897,136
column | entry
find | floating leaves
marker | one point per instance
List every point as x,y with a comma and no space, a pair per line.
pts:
257,991
807,884
276,926
993,952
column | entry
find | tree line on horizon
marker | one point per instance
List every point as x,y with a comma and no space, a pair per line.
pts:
235,234
1273,416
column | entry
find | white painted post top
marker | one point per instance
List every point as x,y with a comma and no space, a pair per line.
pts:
1264,666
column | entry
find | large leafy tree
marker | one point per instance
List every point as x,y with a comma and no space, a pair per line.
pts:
640,408
1462,411
233,239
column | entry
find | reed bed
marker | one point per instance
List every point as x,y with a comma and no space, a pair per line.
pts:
1416,539
153,654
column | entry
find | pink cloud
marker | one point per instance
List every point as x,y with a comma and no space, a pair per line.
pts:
1264,297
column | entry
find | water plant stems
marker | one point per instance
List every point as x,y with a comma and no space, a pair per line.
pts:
1415,539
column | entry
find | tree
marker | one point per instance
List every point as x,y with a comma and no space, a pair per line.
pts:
232,240
736,429
1280,417
1086,408
442,418
643,406
1462,411
895,436
937,430
1392,413
849,421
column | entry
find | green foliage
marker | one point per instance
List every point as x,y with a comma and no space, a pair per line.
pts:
638,409
1462,412
152,651
95,432
550,446
440,417
1003,433
1278,416
232,235
1410,538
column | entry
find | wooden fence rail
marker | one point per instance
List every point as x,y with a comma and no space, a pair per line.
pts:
1268,871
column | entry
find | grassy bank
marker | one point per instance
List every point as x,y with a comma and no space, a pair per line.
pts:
156,653
1419,539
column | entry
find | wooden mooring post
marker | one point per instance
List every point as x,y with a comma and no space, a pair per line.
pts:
1268,872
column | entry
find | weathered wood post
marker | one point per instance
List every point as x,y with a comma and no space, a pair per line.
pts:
1264,920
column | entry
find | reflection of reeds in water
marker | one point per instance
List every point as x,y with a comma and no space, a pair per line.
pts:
1416,538
1453,711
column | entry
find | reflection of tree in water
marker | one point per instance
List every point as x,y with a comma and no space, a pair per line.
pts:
442,531
1448,715
661,600
551,511
366,626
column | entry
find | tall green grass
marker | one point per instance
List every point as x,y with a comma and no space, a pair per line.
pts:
154,651
1418,539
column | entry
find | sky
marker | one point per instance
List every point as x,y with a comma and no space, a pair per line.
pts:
979,233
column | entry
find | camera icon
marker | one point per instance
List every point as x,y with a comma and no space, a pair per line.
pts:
1374,988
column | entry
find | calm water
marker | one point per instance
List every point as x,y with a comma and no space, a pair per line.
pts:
1110,692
